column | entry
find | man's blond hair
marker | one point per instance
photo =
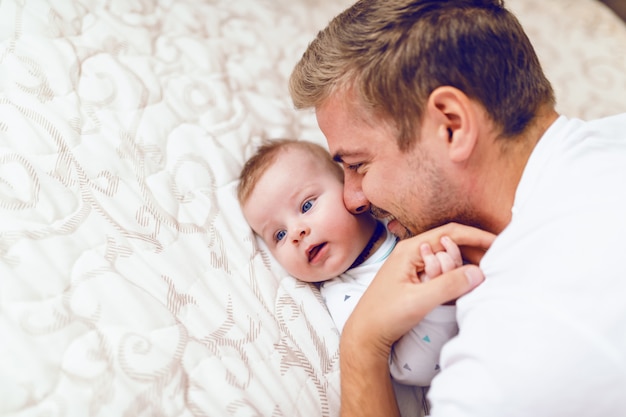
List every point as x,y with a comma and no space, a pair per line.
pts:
393,54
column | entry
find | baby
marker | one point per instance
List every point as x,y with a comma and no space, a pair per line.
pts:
291,194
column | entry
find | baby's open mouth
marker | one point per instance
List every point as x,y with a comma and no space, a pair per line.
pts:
315,250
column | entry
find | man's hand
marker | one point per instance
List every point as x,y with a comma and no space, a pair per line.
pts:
394,303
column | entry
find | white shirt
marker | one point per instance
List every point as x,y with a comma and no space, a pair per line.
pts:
545,334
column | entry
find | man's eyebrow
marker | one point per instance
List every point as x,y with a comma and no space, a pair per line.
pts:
340,155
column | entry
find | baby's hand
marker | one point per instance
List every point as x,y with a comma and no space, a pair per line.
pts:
436,264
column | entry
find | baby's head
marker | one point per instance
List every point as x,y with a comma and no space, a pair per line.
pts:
291,194
266,155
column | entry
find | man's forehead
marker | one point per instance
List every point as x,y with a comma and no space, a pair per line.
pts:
342,107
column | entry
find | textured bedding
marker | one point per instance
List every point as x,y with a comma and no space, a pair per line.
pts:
130,284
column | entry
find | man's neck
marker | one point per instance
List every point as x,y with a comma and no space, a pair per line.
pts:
506,167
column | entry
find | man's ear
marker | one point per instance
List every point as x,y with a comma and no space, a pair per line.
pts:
455,115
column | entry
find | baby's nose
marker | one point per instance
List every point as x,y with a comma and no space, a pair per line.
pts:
300,233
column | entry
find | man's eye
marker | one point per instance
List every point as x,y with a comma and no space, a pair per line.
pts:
280,235
354,167
307,206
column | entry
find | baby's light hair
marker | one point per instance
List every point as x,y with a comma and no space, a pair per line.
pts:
266,155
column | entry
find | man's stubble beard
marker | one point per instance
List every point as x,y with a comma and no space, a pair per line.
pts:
444,202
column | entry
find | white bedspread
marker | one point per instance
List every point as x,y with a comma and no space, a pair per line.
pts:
130,284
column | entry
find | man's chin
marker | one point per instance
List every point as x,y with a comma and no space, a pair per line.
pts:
397,229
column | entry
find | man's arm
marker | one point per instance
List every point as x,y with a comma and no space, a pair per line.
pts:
366,388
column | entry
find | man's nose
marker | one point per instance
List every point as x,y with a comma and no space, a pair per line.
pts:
353,197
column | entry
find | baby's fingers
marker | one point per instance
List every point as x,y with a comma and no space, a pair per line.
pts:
432,267
446,262
453,251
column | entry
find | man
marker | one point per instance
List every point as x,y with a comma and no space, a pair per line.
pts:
439,112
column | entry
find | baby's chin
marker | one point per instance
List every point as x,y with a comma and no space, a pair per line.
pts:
317,277
333,263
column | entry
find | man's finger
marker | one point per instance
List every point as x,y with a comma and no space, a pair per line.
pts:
451,285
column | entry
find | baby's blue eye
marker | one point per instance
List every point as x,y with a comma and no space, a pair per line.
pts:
307,206
280,235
